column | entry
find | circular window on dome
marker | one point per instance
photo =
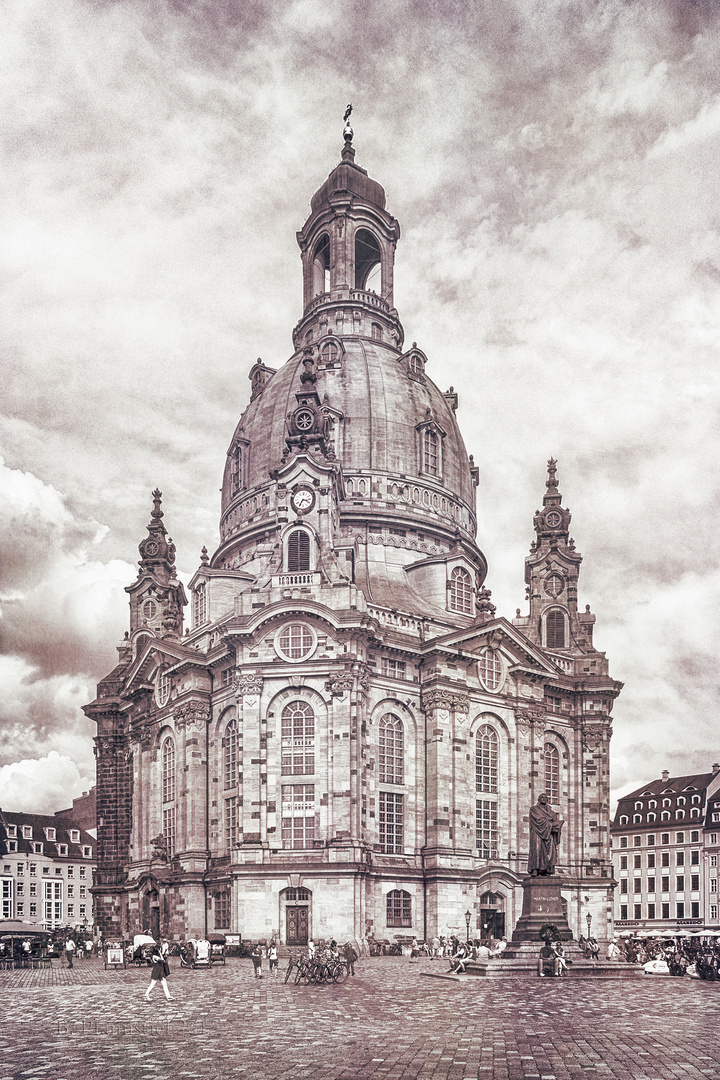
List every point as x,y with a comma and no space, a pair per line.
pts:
295,642
162,687
149,609
490,669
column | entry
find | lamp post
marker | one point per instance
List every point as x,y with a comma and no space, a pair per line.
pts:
588,919
468,916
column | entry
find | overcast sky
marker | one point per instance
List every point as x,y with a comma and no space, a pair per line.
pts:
554,167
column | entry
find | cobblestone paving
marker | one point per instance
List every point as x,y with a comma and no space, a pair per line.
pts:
388,1022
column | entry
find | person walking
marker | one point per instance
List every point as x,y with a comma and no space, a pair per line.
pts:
69,950
159,974
257,959
273,959
350,956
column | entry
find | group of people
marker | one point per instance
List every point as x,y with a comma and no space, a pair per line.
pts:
458,952
552,960
265,952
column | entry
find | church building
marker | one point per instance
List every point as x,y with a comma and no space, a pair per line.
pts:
346,739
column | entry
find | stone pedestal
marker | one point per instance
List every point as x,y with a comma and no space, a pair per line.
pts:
542,903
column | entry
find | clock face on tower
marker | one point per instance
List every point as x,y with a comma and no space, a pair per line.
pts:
302,500
553,519
151,548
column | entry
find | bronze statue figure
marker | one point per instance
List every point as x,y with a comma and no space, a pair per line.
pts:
545,829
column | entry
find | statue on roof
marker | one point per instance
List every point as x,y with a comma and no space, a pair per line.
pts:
347,131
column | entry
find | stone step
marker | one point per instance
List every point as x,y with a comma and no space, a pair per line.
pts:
526,967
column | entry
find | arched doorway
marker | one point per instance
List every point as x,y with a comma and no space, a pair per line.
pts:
296,902
491,921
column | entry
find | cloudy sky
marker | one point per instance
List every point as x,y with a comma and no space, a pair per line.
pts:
553,165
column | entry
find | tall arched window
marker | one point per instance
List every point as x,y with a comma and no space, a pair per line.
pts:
298,552
390,761
399,908
230,755
486,787
230,781
461,591
367,261
168,793
486,760
552,773
297,738
555,630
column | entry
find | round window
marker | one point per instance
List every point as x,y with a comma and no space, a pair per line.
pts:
162,687
150,609
490,669
295,642
304,420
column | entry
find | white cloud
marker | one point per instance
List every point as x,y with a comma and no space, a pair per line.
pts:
42,785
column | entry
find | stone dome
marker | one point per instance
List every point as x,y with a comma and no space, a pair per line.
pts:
381,407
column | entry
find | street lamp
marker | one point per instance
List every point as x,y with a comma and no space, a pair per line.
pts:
468,917
588,918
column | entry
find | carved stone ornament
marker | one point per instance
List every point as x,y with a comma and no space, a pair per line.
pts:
193,714
592,735
338,684
528,717
446,700
147,735
249,685
106,749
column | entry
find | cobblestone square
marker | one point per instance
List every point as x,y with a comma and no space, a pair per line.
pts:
388,1021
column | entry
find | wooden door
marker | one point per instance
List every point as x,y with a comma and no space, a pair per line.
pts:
296,919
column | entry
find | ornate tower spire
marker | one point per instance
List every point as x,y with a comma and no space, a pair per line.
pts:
157,598
551,576
157,554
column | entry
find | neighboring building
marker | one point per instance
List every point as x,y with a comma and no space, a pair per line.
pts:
83,811
47,870
347,740
665,853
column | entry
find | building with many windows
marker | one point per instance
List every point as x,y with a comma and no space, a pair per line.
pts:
665,851
347,739
47,870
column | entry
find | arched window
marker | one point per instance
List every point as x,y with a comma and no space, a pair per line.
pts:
168,793
665,816
651,817
399,908
637,819
461,591
390,760
552,773
486,760
297,739
623,821
140,642
431,452
298,552
321,266
555,630
367,262
376,331
230,755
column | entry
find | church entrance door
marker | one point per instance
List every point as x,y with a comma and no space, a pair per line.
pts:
296,925
492,916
